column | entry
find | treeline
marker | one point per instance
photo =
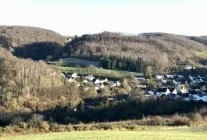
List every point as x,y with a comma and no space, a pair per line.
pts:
125,110
21,35
149,47
33,123
126,64
35,43
32,85
40,51
32,42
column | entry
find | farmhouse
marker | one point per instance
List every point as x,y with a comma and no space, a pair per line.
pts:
162,91
97,81
159,77
173,90
181,89
89,78
72,75
187,67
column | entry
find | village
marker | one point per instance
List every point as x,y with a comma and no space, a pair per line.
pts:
173,86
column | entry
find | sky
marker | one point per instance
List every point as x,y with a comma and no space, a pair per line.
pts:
78,17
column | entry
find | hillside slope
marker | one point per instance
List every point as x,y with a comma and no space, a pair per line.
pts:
33,85
13,36
31,42
149,46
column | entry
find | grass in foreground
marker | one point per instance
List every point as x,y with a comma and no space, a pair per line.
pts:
116,135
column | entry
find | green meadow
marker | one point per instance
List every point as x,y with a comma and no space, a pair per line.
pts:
117,135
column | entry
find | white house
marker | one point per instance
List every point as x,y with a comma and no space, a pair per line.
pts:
104,81
151,92
97,82
169,76
118,83
187,67
173,91
85,81
159,77
74,75
181,88
142,86
89,77
62,75
100,81
97,87
163,81
162,91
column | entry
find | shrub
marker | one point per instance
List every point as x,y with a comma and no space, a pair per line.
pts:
16,120
197,117
60,128
23,125
53,127
44,126
157,120
180,120
69,128
94,128
70,120
35,121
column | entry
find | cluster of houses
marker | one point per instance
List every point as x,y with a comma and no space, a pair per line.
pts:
172,86
98,83
180,87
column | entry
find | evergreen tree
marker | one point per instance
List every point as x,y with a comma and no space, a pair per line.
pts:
80,106
148,72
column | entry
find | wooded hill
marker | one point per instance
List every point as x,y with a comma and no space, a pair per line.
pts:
14,36
151,47
31,42
28,87
117,50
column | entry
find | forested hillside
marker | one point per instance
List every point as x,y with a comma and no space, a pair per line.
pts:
31,42
35,96
32,85
153,48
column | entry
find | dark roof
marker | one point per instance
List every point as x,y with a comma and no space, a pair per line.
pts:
171,89
162,90
202,84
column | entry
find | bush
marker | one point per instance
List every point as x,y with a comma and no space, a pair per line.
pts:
16,120
23,125
197,117
69,128
35,121
44,126
157,120
69,120
53,127
180,120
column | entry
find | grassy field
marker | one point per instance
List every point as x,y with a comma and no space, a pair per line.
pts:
96,71
202,55
116,135
72,62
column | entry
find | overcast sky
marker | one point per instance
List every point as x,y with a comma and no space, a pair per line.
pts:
77,17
